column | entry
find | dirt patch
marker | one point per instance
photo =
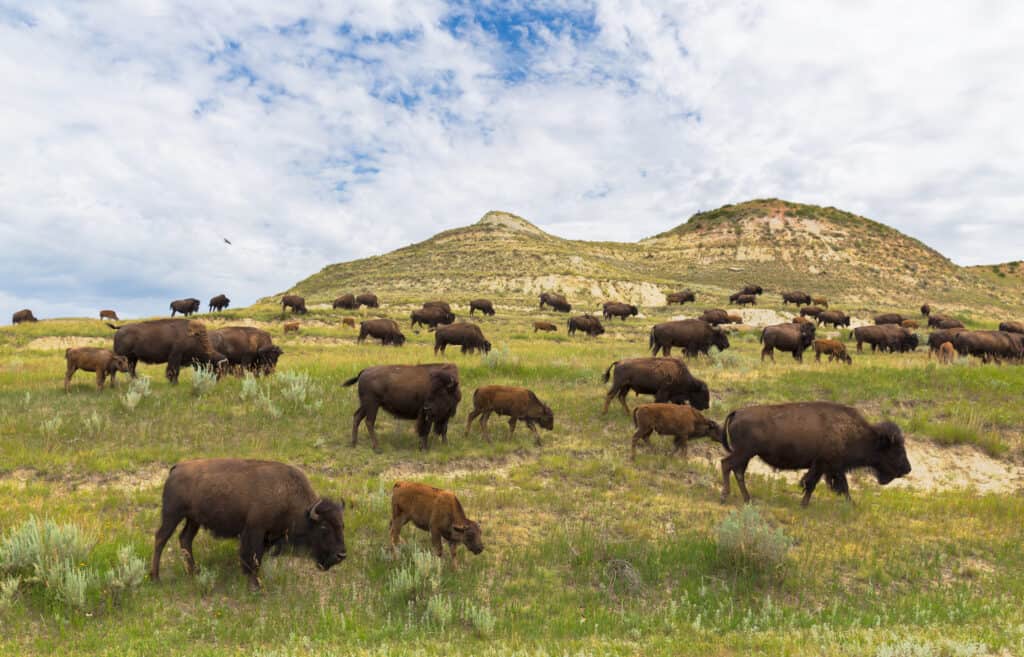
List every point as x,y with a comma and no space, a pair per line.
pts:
133,481
459,468
62,342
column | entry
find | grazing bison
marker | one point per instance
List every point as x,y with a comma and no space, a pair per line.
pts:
751,289
889,318
368,299
681,422
468,336
989,345
811,311
443,305
483,305
586,323
385,330
935,320
348,321
556,301
836,318
92,359
431,317
947,354
668,379
681,297
826,438
247,348
802,320
24,315
345,302
715,316
109,314
694,336
617,309
262,503
743,299
835,350
436,511
819,301
1012,327
909,324
937,338
295,302
794,338
291,327
515,403
544,326
949,323
219,302
926,310
886,337
796,298
429,394
171,341
185,306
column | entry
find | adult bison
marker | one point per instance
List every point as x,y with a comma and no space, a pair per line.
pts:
715,316
937,338
547,327
889,318
836,318
794,338
819,301
109,314
811,311
556,301
483,305
989,345
24,315
295,302
743,299
751,289
828,439
1012,327
247,348
443,305
428,394
618,309
468,336
219,303
262,503
430,317
694,336
185,306
668,379
385,330
368,299
681,297
949,323
886,337
926,310
586,323
796,298
345,302
171,341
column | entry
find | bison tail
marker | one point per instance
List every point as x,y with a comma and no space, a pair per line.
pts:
723,435
608,372
760,336
353,379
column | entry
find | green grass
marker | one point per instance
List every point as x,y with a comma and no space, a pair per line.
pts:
587,553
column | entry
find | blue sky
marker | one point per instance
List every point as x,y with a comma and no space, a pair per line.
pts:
134,137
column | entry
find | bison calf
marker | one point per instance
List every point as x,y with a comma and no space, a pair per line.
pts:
291,327
835,350
682,422
109,314
516,403
348,321
947,354
544,326
436,511
93,359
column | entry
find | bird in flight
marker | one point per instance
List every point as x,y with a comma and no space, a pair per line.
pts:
226,240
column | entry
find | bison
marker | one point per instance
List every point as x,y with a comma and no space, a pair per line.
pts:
947,354
949,323
185,306
483,305
1012,327
751,289
109,314
93,359
468,336
436,511
219,302
24,315
262,503
989,345
668,379
828,439
796,298
443,305
544,326
385,330
715,316
586,323
556,301
743,299
295,302
368,299
429,394
695,336
811,311
345,302
926,310
887,337
617,309
681,297
836,318
794,338
515,403
819,301
937,338
431,317
291,327
835,350
348,321
801,320
247,348
889,318
909,324
171,341
681,422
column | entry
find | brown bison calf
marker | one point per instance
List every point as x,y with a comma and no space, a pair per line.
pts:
436,511
291,327
109,314
544,326
819,301
93,359
909,324
835,350
516,403
348,321
947,354
682,422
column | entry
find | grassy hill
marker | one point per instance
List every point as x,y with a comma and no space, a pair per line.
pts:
857,262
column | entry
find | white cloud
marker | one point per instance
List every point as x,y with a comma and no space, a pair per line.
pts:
134,138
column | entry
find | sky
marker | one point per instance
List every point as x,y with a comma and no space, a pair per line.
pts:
136,137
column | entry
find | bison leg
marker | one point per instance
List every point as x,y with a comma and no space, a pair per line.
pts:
469,421
357,418
113,379
67,377
536,434
679,445
641,434
512,426
435,539
185,538
101,378
809,481
250,552
452,548
738,466
838,483
608,399
767,351
441,429
860,346
798,356
371,427
398,520
169,522
483,425
817,357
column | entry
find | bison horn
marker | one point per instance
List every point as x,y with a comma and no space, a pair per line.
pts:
313,515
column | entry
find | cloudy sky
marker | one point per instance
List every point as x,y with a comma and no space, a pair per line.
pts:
136,136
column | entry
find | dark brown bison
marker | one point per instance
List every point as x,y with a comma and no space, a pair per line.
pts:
385,330
889,318
436,511
185,306
886,337
295,302
751,289
586,323
368,299
826,438
515,403
219,302
681,422
937,338
617,309
715,316
109,314
796,298
834,349
429,394
443,305
468,336
935,320
247,348
93,359
483,305
743,299
24,315
1012,327
811,311
694,336
262,503
544,326
926,310
668,379
345,302
819,301
949,323
556,301
431,317
794,338
836,318
681,297
171,341
989,345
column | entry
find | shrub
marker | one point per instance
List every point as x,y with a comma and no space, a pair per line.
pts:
439,611
138,389
748,543
479,617
204,379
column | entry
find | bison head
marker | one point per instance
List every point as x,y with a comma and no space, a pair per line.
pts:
486,347
696,395
633,310
469,535
547,417
443,398
890,456
720,339
398,340
118,364
325,533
